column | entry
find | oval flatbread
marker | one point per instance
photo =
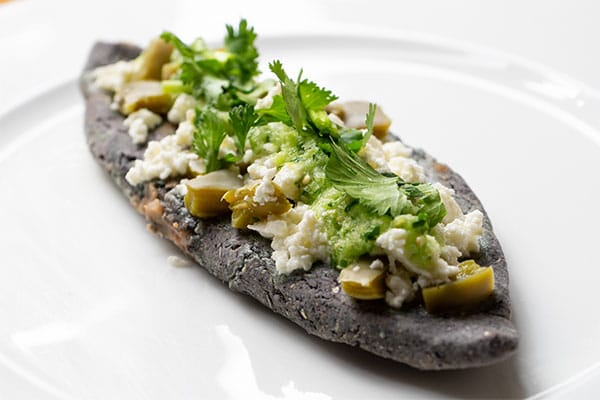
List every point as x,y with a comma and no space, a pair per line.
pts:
313,300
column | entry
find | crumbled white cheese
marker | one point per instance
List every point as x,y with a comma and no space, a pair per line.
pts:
396,149
184,135
165,158
264,167
190,115
113,76
138,131
377,264
453,210
392,157
287,179
264,192
463,233
392,242
407,169
298,240
400,288
183,103
161,160
450,254
267,100
140,122
374,155
400,163
274,226
181,188
249,157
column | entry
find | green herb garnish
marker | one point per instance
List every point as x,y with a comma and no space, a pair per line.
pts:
383,193
276,113
304,102
242,119
219,75
196,64
291,97
244,64
209,133
314,98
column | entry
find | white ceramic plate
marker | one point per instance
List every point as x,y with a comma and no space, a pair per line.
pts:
91,307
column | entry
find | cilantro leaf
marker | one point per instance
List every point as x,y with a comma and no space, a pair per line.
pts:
352,139
242,119
240,43
369,120
304,103
291,98
192,71
351,174
210,130
235,66
277,112
384,193
183,49
198,69
314,97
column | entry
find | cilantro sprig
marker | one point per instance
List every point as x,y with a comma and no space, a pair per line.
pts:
383,193
303,101
223,77
210,130
223,80
242,118
240,43
291,96
195,65
276,113
212,127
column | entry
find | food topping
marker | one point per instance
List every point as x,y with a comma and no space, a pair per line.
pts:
167,158
204,195
316,176
472,285
298,240
255,202
140,122
364,279
178,112
352,114
152,59
144,94
464,231
112,77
